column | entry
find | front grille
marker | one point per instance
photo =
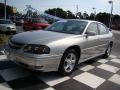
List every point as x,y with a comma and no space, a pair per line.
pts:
15,45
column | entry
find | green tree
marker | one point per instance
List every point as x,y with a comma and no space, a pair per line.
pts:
1,10
85,15
92,16
103,17
116,20
79,15
9,10
70,15
60,13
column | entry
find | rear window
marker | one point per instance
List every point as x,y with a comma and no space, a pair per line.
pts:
39,21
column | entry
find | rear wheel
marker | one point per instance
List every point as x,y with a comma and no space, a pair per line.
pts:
68,62
108,51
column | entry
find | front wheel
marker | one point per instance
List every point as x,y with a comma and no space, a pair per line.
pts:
108,51
68,62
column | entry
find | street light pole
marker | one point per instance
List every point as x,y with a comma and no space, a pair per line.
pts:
110,2
94,9
55,12
5,10
76,10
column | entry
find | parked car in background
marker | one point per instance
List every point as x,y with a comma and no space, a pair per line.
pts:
35,24
7,26
61,46
19,22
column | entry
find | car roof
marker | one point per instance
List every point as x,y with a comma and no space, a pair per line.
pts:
89,21
36,18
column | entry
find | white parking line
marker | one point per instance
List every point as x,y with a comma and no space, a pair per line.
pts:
108,68
116,60
89,79
115,79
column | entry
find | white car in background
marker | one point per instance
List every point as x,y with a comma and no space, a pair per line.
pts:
7,26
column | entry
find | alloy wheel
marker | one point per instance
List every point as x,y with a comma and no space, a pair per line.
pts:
69,62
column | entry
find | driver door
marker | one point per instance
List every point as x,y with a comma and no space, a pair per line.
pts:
91,42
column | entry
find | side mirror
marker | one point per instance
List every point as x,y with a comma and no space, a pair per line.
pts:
109,29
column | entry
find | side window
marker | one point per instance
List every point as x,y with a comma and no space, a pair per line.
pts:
92,28
102,29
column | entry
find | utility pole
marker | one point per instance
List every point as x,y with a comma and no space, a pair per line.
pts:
5,10
110,2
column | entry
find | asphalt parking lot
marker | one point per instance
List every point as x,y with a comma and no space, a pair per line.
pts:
96,74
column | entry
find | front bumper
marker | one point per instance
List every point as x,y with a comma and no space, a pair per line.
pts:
8,30
44,62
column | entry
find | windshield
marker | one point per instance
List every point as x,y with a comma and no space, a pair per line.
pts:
5,22
70,27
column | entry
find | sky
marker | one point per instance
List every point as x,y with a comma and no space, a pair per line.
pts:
83,5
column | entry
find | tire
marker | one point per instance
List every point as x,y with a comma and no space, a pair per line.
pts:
67,65
10,32
7,33
34,28
108,51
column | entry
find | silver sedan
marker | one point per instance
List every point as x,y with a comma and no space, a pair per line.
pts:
61,46
7,25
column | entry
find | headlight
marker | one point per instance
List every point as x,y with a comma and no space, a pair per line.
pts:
37,49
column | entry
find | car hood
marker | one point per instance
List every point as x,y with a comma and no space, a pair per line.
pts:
39,37
8,25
